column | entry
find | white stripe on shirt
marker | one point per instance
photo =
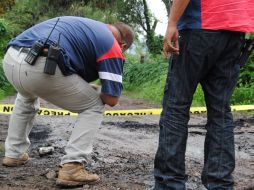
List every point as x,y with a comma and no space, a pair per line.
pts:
110,76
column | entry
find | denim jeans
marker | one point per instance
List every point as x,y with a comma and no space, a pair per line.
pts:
209,58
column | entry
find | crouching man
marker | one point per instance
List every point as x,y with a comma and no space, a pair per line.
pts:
55,60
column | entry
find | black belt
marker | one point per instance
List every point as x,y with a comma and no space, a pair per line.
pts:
44,53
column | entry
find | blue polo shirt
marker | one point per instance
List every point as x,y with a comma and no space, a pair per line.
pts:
88,47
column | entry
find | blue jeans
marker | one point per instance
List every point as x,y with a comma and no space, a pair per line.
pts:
209,58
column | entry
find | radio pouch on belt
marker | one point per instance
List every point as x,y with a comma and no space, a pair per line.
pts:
37,48
52,60
34,52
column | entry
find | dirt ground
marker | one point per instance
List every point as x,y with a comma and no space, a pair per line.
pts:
124,150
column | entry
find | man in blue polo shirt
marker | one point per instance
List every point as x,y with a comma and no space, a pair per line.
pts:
86,50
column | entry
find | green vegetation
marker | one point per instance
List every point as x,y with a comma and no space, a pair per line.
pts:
5,87
140,80
146,81
6,32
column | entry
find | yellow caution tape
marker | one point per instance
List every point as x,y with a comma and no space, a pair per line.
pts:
132,112
7,109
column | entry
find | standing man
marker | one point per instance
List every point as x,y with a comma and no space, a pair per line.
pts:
55,60
205,39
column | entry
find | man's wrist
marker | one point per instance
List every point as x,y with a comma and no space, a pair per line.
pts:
172,22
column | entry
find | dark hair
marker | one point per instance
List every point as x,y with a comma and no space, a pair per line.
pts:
126,32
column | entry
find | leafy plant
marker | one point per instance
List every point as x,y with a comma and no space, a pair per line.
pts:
150,76
6,5
6,34
2,29
247,73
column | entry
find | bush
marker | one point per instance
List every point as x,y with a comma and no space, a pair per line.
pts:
145,80
247,73
138,74
2,29
243,95
6,34
4,37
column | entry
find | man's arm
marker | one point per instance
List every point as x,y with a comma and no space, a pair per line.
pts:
109,100
171,43
106,99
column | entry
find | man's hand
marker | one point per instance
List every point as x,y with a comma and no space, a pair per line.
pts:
109,100
171,40
106,99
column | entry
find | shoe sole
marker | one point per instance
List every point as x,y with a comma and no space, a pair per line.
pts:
67,183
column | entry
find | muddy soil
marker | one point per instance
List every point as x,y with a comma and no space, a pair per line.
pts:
123,153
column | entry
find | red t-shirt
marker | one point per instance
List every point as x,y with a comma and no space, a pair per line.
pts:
234,15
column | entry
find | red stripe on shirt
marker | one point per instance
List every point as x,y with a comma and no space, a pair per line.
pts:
114,52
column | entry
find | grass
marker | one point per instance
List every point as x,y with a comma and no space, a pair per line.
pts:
153,92
9,91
